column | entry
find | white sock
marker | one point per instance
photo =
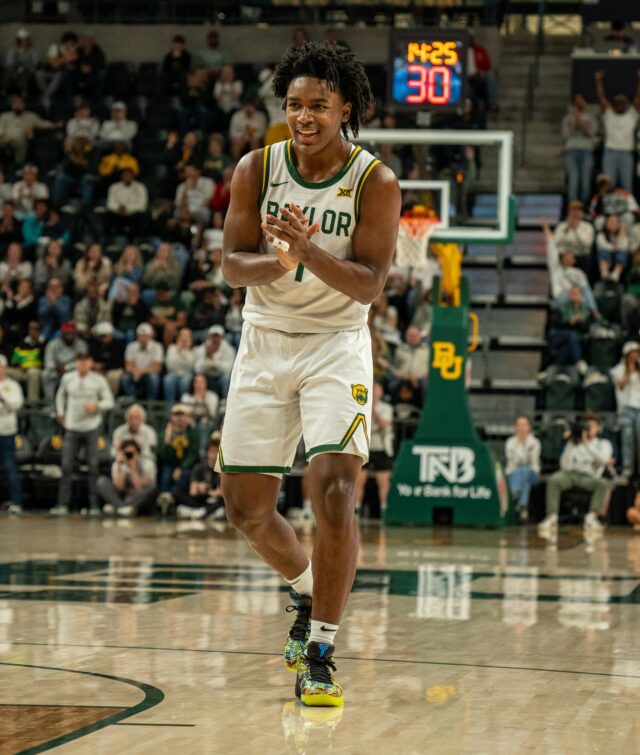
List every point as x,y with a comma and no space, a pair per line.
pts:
303,583
307,506
323,632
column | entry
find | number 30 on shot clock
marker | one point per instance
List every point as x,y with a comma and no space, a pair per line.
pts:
429,69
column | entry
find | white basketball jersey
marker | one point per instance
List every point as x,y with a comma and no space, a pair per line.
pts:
299,302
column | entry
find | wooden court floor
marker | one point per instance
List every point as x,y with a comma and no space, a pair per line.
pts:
157,637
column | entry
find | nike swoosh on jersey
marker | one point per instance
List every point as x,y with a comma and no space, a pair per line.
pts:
281,183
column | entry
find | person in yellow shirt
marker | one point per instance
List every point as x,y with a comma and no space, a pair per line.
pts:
112,164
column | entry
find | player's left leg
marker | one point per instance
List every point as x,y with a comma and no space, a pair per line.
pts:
333,479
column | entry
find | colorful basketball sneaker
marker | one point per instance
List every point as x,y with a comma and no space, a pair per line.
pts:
315,684
299,633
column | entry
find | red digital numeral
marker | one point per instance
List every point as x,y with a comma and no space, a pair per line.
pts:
426,83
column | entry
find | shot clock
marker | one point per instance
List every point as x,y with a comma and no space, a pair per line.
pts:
429,69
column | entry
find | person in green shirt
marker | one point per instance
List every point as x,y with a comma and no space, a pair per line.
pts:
177,454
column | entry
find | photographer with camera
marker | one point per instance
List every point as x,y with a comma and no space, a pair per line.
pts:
133,482
586,463
626,378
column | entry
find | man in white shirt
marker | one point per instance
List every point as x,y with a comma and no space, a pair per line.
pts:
215,358
582,465
24,193
135,428
143,363
564,275
522,453
83,125
626,379
247,128
118,128
575,235
620,121
11,400
127,203
82,399
194,194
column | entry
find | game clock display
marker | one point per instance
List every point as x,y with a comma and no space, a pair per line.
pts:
429,69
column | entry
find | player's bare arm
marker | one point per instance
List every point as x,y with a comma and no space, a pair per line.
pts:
374,240
242,262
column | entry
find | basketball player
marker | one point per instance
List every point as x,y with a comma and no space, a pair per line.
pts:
311,231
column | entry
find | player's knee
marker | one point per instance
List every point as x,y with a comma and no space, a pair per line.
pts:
336,501
236,514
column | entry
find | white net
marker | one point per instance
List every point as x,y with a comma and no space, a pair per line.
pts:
413,241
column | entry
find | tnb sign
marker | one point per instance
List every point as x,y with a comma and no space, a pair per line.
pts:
453,464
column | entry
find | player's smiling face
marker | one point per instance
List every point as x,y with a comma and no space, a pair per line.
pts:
315,113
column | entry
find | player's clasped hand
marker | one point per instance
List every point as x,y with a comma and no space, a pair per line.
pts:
295,231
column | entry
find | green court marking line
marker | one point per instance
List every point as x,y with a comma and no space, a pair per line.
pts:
152,697
405,661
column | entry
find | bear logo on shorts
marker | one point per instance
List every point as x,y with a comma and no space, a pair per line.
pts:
360,393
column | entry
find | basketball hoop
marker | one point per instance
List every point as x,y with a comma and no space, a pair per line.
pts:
414,231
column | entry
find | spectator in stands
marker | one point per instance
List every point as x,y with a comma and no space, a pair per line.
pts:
195,109
204,406
179,450
5,189
59,357
17,307
83,125
113,163
33,224
143,364
129,267
92,267
579,130
175,66
211,57
20,65
215,358
411,364
91,67
620,121
91,310
163,267
611,201
179,362
631,298
54,308
135,428
481,75
247,127
582,465
563,275
380,450
107,353
522,453
178,154
619,39
118,128
575,235
11,401
18,126
612,244
77,173
570,322
81,401
14,267
272,104
10,226
51,227
215,160
222,197
26,360
626,379
194,194
167,312
26,191
132,485
227,91
204,498
127,203
126,314
52,265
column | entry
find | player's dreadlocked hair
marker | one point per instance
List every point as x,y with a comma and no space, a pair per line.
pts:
336,66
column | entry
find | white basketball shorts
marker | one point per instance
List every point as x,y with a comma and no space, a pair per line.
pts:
284,386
